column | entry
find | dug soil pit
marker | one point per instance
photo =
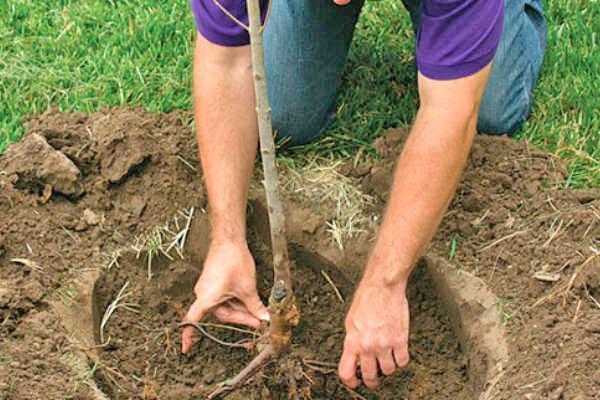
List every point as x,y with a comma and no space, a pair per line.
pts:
103,231
142,337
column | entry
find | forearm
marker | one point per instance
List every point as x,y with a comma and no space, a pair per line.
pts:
227,133
424,183
425,180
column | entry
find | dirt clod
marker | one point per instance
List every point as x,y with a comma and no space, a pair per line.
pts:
91,218
35,166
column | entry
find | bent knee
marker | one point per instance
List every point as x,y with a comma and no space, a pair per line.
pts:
294,126
502,117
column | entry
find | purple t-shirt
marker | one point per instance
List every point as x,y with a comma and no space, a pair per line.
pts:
456,38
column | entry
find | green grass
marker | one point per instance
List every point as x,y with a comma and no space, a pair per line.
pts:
83,55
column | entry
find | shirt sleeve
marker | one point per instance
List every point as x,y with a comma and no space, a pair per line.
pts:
217,27
457,38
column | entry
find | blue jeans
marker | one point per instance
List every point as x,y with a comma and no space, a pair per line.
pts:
306,43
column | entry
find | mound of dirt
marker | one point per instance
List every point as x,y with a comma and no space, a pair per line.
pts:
114,189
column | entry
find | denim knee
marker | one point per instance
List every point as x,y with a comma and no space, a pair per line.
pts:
499,116
508,96
294,124
306,43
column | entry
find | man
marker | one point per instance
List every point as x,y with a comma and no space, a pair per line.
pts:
461,91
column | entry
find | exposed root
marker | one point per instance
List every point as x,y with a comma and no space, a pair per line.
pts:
324,368
244,375
353,395
243,344
292,384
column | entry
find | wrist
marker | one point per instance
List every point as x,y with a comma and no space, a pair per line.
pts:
387,270
227,239
226,232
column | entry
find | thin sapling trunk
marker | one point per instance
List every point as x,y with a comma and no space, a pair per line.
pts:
282,305
281,302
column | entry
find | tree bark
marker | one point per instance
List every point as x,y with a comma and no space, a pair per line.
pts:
282,307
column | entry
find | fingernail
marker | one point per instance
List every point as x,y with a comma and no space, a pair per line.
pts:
265,317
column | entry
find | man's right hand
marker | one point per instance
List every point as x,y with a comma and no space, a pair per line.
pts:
226,289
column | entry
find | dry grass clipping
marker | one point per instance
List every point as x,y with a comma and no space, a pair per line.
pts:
319,183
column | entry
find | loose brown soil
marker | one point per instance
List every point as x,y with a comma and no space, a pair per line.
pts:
146,342
78,190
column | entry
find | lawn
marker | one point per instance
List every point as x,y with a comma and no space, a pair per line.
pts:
83,55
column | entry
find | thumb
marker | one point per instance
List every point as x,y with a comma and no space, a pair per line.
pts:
195,314
256,307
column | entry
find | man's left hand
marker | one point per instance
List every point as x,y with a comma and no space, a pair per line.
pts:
376,333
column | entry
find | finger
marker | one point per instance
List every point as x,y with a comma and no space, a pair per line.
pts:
368,367
229,315
237,305
401,356
256,307
341,2
194,314
386,362
347,368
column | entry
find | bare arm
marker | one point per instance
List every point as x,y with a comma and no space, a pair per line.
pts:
426,177
427,174
227,134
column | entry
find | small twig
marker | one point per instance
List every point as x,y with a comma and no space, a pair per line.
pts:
532,384
333,286
576,274
114,372
594,300
492,384
320,366
264,24
576,316
70,234
308,378
211,337
244,375
502,239
553,234
565,289
187,163
229,327
306,361
114,258
28,263
230,15
292,384
353,394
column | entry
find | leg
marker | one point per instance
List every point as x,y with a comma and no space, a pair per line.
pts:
306,43
508,97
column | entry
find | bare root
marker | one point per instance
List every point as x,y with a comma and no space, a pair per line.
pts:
244,375
243,344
